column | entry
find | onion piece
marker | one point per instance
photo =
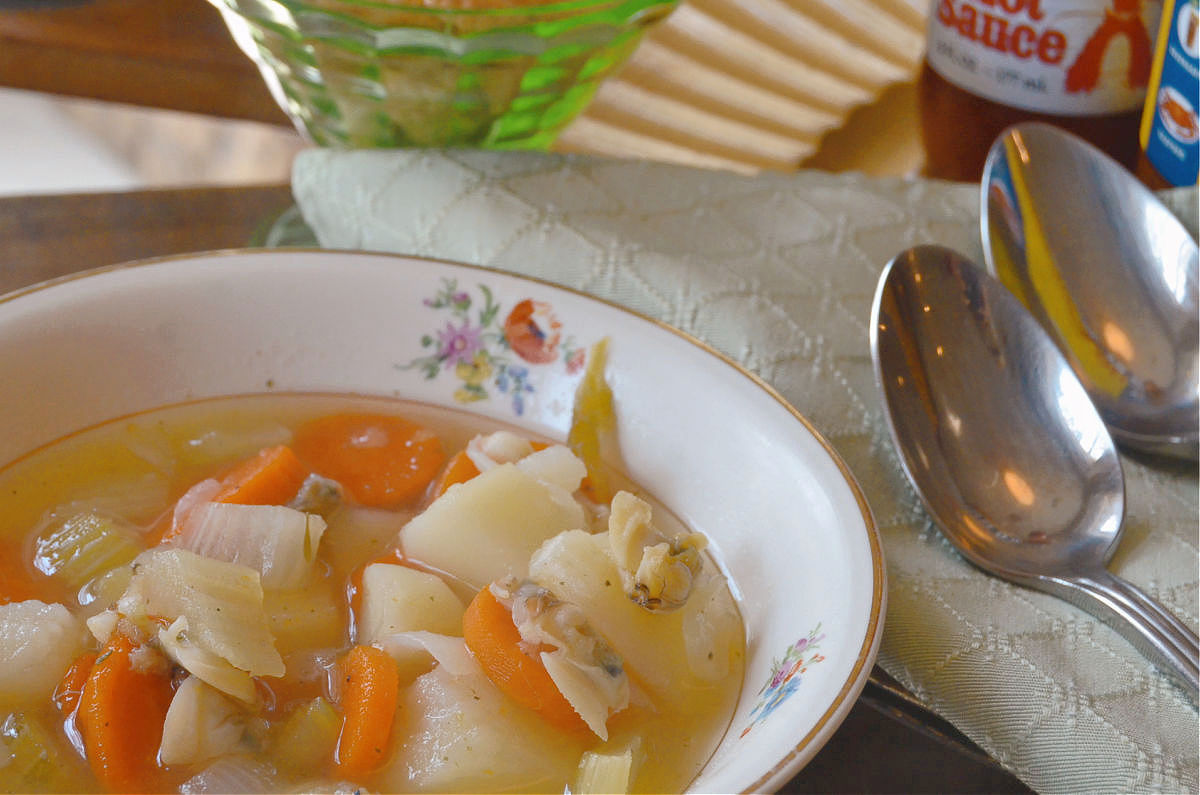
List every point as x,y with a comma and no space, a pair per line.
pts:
199,494
555,465
203,664
103,625
586,670
233,774
201,724
590,692
223,603
449,652
492,449
279,542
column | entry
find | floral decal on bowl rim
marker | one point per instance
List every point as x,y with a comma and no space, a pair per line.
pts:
488,353
785,677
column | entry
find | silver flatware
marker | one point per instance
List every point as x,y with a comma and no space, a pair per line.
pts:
1109,272
1006,450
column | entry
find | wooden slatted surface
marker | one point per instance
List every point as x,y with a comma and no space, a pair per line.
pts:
734,84
751,84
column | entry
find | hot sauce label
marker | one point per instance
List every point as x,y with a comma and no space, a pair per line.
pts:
1066,57
1170,132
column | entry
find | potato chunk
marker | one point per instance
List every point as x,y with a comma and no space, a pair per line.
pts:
37,643
486,528
401,599
458,733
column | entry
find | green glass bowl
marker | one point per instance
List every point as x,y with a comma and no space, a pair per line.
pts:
377,74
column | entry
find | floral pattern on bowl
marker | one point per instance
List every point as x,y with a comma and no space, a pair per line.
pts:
785,677
680,402
486,353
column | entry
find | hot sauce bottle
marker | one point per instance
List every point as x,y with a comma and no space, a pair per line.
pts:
1083,65
1170,132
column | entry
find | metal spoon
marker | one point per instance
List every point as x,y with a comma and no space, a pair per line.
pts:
1006,450
1109,272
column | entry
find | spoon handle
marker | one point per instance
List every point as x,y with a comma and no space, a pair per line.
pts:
1149,626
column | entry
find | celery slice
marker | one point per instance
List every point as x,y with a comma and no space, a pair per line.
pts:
593,431
37,760
304,742
137,498
607,773
85,546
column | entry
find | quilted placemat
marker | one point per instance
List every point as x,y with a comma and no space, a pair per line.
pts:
778,271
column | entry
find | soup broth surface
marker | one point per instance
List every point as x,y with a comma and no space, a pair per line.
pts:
89,521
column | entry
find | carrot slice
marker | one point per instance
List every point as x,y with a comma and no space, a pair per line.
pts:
494,639
459,469
70,687
121,712
370,691
381,460
272,477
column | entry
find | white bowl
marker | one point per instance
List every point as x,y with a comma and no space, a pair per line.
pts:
715,445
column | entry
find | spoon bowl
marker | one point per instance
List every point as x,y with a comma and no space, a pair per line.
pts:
1109,273
1002,443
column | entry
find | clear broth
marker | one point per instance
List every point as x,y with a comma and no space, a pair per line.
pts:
137,466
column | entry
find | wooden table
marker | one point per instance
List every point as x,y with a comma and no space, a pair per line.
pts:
174,54
722,83
885,745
